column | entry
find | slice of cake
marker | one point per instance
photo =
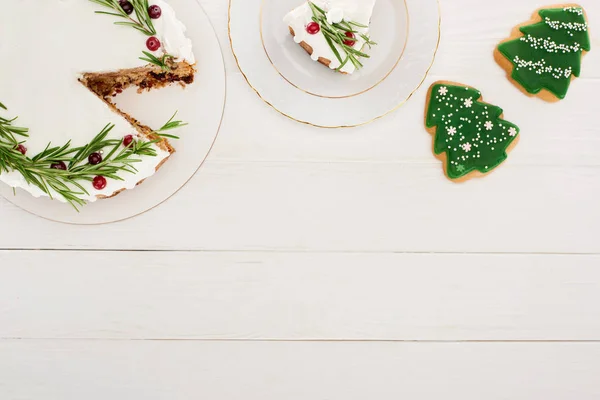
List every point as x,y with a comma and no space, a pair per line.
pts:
76,55
333,32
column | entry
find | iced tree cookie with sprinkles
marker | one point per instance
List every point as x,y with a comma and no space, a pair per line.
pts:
470,136
543,55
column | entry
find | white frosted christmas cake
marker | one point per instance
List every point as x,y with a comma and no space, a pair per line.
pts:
63,61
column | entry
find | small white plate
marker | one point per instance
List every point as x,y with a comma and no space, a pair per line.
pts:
286,78
201,105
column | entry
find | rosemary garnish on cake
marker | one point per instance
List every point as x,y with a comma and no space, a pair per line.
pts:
161,62
144,14
341,36
170,125
124,10
62,169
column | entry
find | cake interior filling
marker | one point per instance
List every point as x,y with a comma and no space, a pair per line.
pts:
107,85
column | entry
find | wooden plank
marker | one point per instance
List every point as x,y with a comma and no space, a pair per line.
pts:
298,296
348,207
99,370
560,134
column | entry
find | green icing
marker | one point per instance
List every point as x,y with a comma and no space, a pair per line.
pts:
470,132
550,51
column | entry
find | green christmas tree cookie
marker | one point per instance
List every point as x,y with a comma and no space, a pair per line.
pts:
546,53
469,136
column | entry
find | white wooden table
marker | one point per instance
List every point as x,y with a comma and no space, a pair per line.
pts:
315,264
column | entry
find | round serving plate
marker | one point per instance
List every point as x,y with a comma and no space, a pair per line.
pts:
200,104
287,79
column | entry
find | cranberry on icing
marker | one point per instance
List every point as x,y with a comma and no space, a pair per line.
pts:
126,6
99,182
128,140
59,165
350,42
154,12
95,158
153,43
313,28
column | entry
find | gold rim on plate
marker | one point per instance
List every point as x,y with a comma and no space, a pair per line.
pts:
334,97
439,33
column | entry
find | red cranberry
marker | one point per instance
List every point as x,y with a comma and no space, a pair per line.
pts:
154,11
99,182
313,28
126,6
153,43
128,140
59,165
350,42
22,149
95,158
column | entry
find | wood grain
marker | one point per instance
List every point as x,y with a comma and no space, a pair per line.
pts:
100,370
298,296
349,207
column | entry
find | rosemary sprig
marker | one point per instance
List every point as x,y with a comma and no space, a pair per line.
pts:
335,36
9,132
142,22
170,125
162,62
67,183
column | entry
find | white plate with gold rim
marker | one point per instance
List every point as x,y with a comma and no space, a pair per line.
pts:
286,78
200,104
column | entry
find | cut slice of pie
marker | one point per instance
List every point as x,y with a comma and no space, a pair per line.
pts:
333,32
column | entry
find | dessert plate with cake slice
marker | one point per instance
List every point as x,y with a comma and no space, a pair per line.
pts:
334,63
110,94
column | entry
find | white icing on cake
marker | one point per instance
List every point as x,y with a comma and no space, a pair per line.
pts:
171,33
359,11
45,46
